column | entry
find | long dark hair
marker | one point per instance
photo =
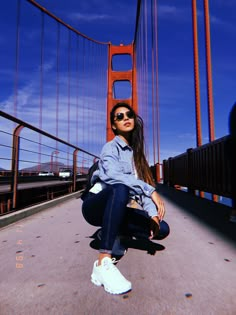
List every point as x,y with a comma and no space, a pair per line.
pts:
136,142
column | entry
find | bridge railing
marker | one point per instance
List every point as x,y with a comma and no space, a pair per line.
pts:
30,165
206,168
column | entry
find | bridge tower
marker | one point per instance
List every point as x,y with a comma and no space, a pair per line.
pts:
114,76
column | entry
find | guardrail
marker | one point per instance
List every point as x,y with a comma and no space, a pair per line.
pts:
25,158
205,169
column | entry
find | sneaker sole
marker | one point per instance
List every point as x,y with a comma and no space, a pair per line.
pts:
107,289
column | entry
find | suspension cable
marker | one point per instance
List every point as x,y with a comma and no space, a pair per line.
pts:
65,24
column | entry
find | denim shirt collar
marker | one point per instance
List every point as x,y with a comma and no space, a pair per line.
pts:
122,143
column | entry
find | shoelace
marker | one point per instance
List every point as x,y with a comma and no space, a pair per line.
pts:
111,265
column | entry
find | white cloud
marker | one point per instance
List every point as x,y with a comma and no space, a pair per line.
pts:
228,3
215,21
169,11
222,23
166,153
178,13
89,17
187,136
23,97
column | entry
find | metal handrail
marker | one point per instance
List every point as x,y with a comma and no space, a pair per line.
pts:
206,168
16,149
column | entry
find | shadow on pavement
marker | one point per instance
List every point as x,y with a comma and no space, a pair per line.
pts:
140,244
214,214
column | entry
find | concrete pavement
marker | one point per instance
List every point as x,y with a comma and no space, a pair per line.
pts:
46,262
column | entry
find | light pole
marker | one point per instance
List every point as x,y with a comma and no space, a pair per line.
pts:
51,165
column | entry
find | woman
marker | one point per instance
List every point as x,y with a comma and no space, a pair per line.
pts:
123,179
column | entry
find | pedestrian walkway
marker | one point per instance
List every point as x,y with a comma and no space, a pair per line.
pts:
47,259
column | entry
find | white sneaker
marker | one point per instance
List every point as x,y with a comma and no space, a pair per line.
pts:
108,275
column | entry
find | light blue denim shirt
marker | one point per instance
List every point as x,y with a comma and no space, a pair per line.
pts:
116,167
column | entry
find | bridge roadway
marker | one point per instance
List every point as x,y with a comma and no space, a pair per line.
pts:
192,272
6,187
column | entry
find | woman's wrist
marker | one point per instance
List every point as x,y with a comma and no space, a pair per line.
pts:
156,219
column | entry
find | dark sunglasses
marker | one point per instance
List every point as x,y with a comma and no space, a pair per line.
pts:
120,116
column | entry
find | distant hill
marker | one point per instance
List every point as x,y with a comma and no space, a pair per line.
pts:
45,167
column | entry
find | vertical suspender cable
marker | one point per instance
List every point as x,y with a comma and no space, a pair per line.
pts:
196,74
83,80
137,50
41,71
153,112
99,81
41,86
141,79
156,80
77,90
142,64
92,57
57,79
17,58
209,78
144,69
89,57
69,88
146,78
141,59
85,93
104,78
196,78
97,64
209,73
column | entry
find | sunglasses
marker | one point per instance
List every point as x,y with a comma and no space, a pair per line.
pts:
121,116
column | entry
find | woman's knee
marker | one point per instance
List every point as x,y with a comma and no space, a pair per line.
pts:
91,210
164,230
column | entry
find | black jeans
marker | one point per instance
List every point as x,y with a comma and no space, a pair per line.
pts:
108,209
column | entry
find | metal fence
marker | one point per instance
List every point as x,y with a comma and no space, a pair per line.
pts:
31,160
206,168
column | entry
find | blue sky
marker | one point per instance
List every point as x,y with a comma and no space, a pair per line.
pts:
114,21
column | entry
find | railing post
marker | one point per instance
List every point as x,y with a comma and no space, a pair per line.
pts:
74,168
157,172
170,173
153,171
189,170
15,163
165,172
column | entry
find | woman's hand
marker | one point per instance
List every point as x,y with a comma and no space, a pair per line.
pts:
159,204
154,227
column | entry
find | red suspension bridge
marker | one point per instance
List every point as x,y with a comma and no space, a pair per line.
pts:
72,82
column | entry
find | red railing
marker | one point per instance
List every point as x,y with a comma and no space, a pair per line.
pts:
20,155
